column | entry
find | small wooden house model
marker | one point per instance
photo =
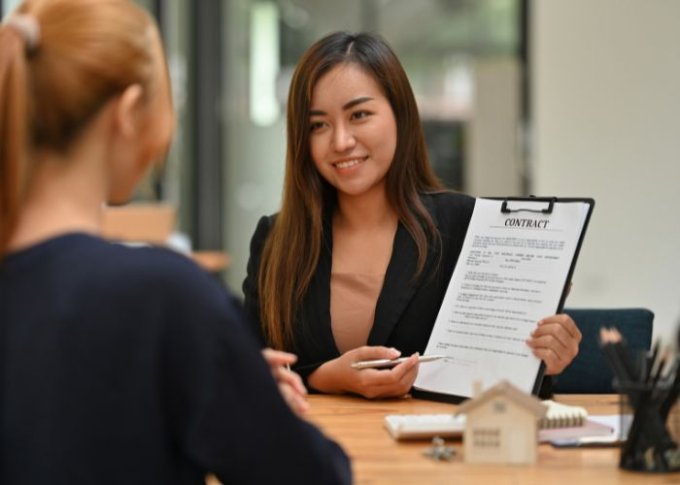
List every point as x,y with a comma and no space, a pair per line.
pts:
501,426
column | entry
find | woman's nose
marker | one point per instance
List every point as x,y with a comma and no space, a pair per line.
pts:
343,139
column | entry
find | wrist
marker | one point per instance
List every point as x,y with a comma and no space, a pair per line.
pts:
325,379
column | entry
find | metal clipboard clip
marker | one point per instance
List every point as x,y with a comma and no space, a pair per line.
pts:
547,210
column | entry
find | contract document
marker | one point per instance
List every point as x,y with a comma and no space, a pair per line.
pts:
514,269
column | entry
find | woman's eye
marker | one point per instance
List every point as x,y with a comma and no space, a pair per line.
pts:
357,115
316,125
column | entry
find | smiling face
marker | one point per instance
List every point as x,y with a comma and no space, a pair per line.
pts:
353,133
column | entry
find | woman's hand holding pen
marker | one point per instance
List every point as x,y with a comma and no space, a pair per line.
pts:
290,384
337,376
555,341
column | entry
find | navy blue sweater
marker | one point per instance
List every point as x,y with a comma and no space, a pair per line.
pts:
122,365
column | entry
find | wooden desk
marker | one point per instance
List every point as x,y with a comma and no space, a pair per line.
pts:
357,424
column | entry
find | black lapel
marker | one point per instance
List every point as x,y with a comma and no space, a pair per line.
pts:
317,315
400,283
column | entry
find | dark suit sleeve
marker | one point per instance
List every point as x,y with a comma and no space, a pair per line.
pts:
226,411
304,371
546,391
250,290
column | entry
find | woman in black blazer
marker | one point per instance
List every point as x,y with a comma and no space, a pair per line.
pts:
356,263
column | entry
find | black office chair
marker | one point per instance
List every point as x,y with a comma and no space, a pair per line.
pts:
589,373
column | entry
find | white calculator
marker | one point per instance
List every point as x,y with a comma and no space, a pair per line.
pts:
419,426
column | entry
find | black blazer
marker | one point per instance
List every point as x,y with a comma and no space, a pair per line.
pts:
407,306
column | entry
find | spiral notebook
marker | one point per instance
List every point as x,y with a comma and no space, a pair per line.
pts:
560,421
562,415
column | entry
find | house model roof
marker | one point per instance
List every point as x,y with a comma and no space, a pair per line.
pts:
510,392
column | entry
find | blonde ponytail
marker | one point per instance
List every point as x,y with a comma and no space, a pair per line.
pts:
14,126
60,62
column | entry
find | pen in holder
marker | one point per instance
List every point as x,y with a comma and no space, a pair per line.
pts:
649,446
648,394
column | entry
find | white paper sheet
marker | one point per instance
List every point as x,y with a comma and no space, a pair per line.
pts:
511,273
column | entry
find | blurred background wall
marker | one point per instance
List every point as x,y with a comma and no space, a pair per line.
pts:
606,107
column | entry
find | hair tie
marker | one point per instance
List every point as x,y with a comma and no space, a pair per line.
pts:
28,28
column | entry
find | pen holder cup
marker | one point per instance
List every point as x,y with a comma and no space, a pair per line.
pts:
649,445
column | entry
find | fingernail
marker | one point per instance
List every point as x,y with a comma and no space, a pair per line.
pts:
395,352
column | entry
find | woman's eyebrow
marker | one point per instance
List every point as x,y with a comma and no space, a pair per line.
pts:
348,105
356,101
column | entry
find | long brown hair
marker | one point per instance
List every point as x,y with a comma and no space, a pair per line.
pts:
291,252
86,52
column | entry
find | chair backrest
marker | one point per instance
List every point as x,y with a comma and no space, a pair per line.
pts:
589,373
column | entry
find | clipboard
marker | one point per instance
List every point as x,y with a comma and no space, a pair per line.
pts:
526,208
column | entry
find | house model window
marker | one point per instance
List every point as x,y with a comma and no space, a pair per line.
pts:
486,438
499,407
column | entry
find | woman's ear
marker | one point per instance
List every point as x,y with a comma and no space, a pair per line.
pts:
126,125
126,114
